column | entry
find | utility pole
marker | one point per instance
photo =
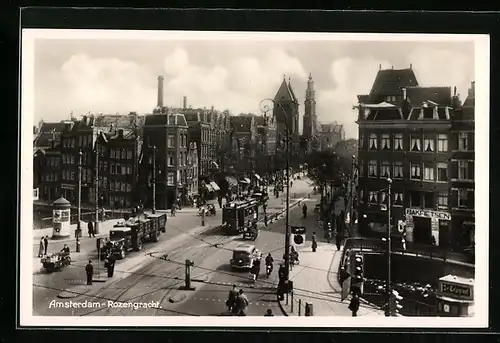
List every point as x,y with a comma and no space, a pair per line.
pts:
351,209
78,224
96,225
153,181
287,217
389,203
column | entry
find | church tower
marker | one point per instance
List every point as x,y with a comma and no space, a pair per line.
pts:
310,121
286,109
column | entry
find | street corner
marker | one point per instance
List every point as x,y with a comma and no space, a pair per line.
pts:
75,291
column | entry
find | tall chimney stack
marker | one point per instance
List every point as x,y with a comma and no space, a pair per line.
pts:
185,102
160,91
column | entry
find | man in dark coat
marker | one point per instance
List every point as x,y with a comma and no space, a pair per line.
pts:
338,240
109,263
90,227
354,305
231,299
46,244
89,270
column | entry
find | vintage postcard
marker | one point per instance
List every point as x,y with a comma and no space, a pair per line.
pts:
219,178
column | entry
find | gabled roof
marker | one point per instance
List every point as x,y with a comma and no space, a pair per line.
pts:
388,113
117,120
47,132
242,123
439,95
392,81
285,93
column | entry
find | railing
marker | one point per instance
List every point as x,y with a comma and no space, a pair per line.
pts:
46,222
419,250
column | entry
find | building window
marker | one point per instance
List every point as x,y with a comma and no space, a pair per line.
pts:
415,199
361,168
386,169
382,198
463,170
442,143
428,144
398,170
129,170
372,168
416,171
129,154
429,200
123,187
170,179
112,153
171,160
72,175
372,197
398,141
463,141
415,143
428,173
171,141
112,169
397,199
442,199
361,141
373,141
386,141
442,172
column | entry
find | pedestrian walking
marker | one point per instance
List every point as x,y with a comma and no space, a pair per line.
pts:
89,270
338,240
109,263
172,210
90,227
314,242
242,304
354,305
45,244
41,248
231,299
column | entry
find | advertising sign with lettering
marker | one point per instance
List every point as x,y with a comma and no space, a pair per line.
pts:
428,214
456,291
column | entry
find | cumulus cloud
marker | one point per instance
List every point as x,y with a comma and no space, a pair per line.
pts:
105,85
234,79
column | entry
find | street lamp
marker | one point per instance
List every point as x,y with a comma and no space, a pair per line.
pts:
78,224
265,108
96,225
351,208
389,205
153,181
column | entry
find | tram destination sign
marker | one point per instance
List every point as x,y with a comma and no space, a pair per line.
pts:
428,214
461,291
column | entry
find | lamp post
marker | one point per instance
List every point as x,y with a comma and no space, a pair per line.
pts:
351,208
153,181
389,205
96,225
265,108
78,224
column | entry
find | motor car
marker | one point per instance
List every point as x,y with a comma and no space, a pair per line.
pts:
243,256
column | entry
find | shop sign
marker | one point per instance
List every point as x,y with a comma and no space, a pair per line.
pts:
456,290
428,214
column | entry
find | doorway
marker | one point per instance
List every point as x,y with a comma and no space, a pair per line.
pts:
422,230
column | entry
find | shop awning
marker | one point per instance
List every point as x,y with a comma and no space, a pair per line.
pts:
215,186
231,181
209,187
257,176
245,180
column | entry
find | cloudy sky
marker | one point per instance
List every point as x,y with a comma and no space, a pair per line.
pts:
119,76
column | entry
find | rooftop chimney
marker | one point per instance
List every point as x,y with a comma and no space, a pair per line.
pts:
160,91
184,102
472,89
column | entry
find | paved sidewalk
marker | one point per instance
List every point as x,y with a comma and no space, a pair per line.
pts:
315,282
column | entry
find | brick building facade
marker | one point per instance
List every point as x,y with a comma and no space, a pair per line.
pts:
405,133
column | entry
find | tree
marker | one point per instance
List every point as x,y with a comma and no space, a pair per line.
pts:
327,165
347,148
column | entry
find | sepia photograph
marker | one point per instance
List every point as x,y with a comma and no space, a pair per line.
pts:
206,176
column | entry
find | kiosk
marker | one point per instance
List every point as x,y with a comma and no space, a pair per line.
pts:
61,214
455,297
